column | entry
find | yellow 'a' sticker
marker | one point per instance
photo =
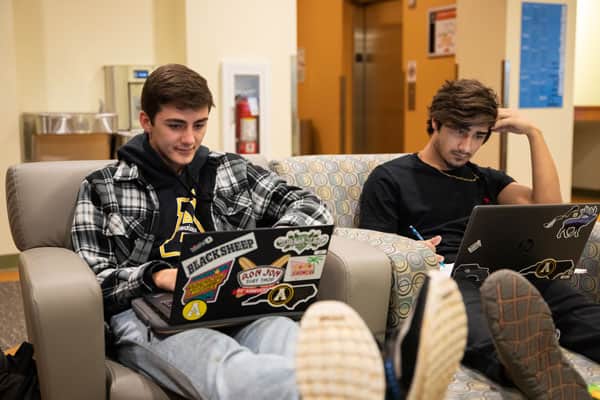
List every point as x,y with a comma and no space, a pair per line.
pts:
194,310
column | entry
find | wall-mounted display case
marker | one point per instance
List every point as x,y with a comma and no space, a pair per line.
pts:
245,101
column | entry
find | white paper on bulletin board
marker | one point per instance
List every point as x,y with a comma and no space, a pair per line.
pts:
442,31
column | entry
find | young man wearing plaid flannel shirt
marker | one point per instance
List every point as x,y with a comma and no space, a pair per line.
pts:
127,226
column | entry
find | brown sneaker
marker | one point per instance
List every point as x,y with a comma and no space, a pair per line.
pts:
524,336
337,356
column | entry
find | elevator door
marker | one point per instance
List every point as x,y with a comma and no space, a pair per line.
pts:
378,78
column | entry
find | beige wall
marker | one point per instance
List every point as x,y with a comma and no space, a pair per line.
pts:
555,123
9,138
52,53
499,25
477,59
587,54
63,44
169,31
261,31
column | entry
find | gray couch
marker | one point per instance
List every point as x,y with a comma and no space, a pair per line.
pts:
361,268
338,179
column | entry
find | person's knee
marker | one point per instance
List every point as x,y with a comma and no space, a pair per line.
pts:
280,322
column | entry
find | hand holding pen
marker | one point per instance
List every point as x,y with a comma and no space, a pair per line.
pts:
431,243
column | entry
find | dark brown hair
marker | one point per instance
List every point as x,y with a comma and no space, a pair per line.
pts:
175,84
463,103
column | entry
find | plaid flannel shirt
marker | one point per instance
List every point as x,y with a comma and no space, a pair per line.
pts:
117,211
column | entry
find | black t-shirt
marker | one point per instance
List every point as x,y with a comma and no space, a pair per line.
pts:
406,191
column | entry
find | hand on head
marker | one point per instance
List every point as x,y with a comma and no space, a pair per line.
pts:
510,120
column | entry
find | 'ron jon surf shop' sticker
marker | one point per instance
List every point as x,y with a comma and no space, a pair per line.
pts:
255,279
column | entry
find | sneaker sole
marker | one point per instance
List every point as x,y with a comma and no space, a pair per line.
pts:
337,356
524,336
442,339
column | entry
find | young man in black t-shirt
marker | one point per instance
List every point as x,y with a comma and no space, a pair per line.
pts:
435,190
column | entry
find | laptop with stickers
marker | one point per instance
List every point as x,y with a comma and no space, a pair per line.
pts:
232,277
540,240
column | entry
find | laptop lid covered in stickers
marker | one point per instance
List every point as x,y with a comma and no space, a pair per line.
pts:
231,277
540,240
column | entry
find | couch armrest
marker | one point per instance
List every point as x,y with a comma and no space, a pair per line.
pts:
64,315
409,260
125,384
589,282
360,276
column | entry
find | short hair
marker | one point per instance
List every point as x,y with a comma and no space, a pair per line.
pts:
175,84
463,103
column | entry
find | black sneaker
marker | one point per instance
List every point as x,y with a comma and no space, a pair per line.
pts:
422,356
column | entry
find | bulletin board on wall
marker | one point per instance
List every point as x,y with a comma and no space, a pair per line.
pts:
541,78
442,31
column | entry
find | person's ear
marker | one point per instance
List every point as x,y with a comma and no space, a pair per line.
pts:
145,122
434,125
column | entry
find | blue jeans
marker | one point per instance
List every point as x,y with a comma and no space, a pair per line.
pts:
256,362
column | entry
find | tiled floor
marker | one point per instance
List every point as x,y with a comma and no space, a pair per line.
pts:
12,319
9,276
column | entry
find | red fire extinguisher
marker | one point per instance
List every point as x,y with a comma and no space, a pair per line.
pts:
246,127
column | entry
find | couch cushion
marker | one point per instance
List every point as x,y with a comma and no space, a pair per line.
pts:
257,159
337,179
410,260
40,199
589,283
124,383
469,384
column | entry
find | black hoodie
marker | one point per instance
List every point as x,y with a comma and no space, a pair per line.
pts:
176,194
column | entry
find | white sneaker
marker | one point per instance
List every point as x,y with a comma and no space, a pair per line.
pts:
337,356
